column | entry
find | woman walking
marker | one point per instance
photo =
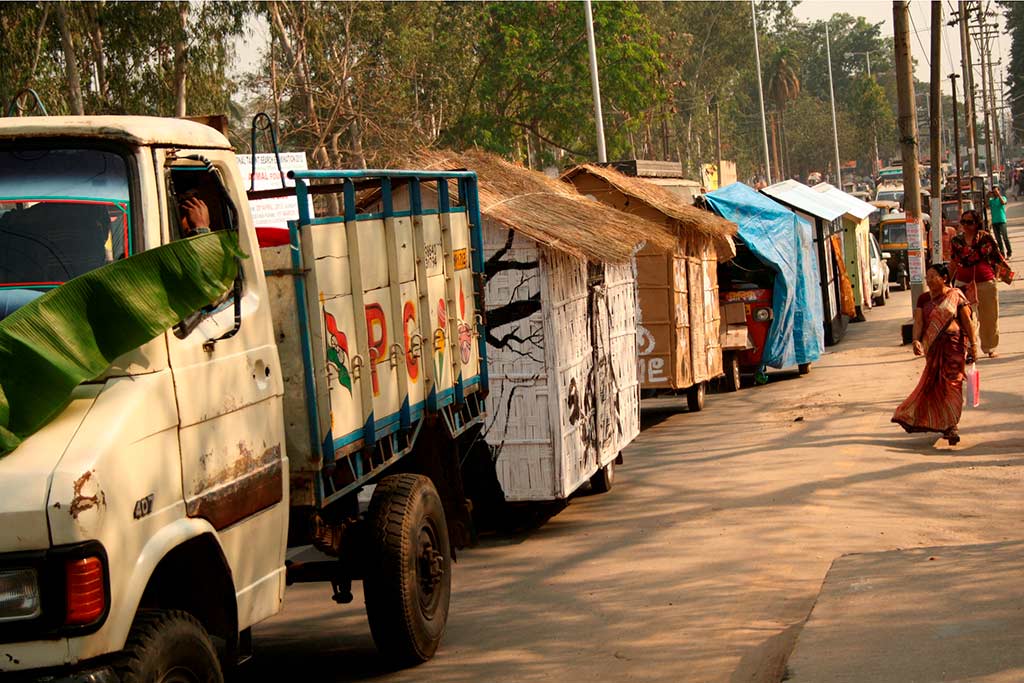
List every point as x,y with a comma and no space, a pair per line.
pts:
944,335
974,263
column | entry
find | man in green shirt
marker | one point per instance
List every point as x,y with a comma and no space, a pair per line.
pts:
997,207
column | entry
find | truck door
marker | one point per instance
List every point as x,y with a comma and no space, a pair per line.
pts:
227,378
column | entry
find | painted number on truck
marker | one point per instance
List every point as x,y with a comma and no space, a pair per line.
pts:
143,506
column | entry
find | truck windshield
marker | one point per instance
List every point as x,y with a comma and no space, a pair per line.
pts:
63,212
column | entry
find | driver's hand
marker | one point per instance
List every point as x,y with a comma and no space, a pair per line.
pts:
195,216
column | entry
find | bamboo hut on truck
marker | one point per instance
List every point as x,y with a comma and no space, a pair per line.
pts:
857,243
560,331
679,333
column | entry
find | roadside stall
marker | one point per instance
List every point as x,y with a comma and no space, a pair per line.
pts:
826,219
561,331
773,278
856,243
677,288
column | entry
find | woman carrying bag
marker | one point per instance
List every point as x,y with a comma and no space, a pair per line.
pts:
943,333
975,263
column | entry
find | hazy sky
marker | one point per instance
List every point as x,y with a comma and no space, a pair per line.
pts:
876,11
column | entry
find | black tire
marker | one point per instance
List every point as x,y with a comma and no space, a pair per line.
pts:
168,646
803,368
733,381
408,579
695,397
603,479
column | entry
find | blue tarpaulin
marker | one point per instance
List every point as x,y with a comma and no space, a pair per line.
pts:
783,242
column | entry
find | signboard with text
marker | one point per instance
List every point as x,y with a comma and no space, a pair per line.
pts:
272,213
915,251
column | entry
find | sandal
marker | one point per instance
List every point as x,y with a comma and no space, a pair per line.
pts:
952,436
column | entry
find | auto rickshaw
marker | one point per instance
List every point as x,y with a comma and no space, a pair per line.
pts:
893,240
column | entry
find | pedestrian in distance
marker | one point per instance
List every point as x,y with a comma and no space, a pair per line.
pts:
975,263
997,209
944,335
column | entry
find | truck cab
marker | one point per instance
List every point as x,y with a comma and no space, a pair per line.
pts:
146,527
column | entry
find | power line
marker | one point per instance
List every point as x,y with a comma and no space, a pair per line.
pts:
910,12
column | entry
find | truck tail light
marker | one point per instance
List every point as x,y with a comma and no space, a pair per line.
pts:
86,594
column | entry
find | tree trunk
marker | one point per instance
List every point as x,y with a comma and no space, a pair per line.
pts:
786,167
776,171
295,56
181,61
98,56
37,50
71,72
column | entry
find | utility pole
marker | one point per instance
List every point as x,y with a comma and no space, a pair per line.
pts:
718,141
760,96
832,98
984,98
956,147
970,120
935,131
908,145
595,82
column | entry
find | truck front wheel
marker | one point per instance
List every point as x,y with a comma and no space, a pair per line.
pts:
168,646
408,579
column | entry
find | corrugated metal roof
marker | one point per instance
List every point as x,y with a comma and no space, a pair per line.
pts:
805,199
855,208
138,130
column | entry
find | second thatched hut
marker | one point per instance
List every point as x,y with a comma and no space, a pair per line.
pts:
677,284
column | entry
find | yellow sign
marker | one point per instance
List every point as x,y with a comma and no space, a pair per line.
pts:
461,258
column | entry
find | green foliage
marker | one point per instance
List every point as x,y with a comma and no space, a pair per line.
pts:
125,53
1014,14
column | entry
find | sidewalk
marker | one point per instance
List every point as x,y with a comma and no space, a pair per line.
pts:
953,613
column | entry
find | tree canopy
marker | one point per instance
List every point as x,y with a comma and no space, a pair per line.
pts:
365,83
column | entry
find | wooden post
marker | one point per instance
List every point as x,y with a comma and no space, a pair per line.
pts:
935,131
908,144
956,147
989,161
970,117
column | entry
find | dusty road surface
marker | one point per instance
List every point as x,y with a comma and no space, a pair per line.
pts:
707,556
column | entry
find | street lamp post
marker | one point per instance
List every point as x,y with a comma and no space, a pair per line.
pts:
832,98
760,93
877,163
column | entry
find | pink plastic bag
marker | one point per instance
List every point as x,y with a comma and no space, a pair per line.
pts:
972,386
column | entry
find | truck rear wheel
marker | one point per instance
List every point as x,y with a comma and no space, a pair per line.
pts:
408,579
168,646
695,397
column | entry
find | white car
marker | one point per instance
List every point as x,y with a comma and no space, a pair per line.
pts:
879,273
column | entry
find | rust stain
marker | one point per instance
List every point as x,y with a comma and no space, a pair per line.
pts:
245,463
246,486
81,502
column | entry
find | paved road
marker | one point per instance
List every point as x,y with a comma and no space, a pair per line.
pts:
708,555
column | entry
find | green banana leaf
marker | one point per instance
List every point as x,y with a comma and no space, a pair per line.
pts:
74,332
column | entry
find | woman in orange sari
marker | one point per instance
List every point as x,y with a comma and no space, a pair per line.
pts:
942,324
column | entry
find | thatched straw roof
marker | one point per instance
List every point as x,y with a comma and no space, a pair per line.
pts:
687,218
546,210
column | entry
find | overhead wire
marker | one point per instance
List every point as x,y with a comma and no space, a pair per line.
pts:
910,12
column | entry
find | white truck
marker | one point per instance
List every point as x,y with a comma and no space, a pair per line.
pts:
147,528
